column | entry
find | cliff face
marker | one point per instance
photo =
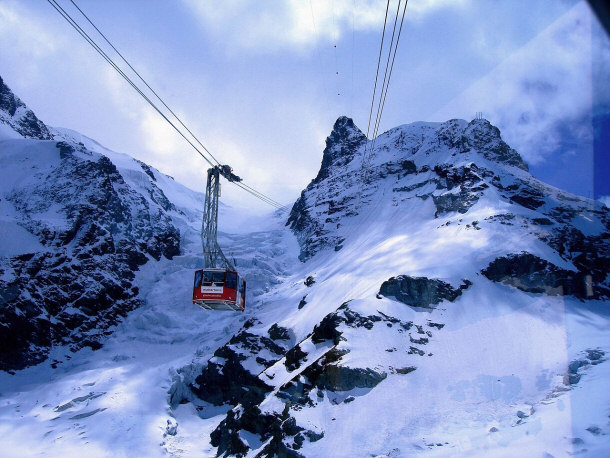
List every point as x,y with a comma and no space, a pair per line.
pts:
19,117
404,243
80,232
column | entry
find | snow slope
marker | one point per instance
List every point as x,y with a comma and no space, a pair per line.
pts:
422,318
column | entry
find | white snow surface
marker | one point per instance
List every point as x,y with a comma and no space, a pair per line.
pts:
490,383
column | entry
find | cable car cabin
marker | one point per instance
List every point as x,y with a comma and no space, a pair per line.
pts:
219,289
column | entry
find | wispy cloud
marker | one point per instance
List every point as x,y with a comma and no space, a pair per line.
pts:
299,25
541,96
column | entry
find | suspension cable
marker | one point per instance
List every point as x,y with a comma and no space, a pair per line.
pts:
404,10
385,74
144,81
100,51
110,61
378,62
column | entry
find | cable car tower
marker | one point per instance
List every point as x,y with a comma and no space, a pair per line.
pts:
218,285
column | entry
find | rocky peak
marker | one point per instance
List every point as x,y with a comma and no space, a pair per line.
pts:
486,138
19,117
341,145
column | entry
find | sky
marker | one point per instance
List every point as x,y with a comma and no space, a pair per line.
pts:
261,82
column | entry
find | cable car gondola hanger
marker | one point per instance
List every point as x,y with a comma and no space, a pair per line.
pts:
217,286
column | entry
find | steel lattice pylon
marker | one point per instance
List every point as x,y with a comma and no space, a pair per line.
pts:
213,255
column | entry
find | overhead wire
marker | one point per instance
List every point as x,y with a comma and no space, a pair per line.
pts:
213,161
100,51
385,74
144,81
378,64
404,10
393,47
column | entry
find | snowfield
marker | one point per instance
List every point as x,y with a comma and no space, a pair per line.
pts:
326,364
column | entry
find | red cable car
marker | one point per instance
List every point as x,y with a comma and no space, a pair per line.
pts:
219,289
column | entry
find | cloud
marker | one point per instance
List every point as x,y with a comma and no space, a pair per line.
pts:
541,96
298,24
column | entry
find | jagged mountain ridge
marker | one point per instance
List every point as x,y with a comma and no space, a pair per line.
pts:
454,164
414,327
88,231
443,227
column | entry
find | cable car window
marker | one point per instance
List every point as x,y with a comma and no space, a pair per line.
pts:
198,277
241,286
231,280
207,278
218,278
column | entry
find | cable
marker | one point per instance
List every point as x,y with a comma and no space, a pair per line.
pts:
144,81
84,34
98,49
391,66
378,62
385,74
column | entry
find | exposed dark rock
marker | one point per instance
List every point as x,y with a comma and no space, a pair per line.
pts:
228,382
341,146
279,333
309,281
542,221
19,117
589,254
420,291
302,302
284,436
405,370
82,283
464,187
294,357
485,138
416,351
436,325
532,274
327,329
341,378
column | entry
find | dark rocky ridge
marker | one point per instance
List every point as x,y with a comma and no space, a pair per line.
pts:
225,380
81,283
23,120
317,215
420,291
532,274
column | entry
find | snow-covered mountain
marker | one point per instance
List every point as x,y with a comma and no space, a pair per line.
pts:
425,295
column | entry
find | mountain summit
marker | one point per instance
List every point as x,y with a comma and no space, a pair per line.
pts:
425,295
436,278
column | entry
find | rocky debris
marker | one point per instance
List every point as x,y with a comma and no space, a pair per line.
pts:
421,291
278,332
82,283
590,254
528,197
294,358
592,357
281,432
341,146
309,281
405,370
17,115
486,138
464,185
302,302
229,378
532,274
224,380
